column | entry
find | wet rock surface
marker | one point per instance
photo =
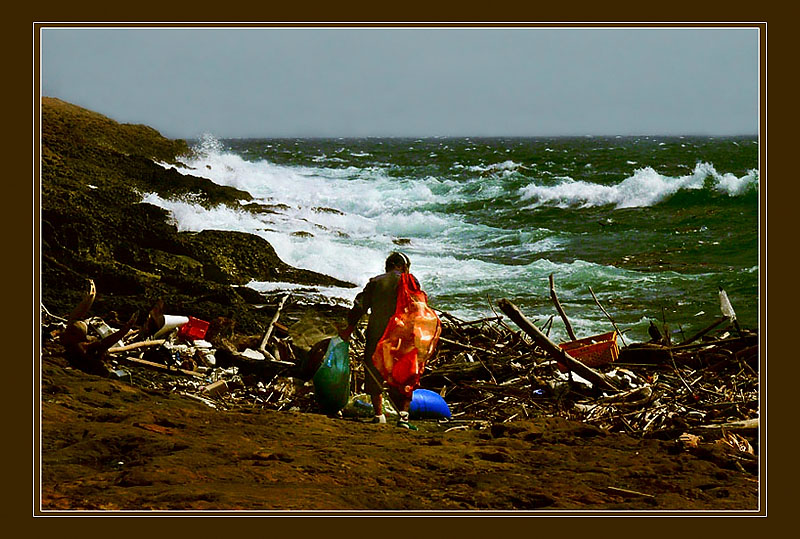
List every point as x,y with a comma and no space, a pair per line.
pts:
94,225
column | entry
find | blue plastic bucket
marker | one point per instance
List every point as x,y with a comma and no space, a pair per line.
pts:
426,404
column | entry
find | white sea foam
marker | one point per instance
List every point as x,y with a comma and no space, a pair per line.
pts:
188,216
495,167
351,218
332,294
645,188
440,261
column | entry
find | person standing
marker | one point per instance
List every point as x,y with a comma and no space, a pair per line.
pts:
379,298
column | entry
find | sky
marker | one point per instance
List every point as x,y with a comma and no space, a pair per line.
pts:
372,82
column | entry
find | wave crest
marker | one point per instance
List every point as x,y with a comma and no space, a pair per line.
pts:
645,188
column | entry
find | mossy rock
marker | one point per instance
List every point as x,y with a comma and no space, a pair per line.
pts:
95,225
238,258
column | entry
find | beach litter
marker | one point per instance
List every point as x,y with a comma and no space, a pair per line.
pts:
487,371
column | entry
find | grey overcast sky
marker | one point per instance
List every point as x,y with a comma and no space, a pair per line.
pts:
318,82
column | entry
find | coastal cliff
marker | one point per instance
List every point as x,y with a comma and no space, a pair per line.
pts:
94,225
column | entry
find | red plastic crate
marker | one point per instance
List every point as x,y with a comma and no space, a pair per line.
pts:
592,351
194,329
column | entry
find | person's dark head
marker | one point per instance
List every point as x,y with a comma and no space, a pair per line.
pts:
398,261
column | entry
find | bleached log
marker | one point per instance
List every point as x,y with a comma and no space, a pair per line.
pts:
134,346
263,347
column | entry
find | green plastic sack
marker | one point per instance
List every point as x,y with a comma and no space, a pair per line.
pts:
332,379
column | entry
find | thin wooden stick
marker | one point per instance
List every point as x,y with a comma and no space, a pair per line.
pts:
136,345
263,347
548,325
678,373
467,346
608,316
499,318
560,310
703,332
48,313
702,344
482,320
449,316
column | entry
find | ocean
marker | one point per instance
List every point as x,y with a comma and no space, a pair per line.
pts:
652,225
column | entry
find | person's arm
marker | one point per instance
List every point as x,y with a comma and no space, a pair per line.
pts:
361,304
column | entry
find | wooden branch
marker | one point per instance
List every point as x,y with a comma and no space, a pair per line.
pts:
48,313
263,347
81,310
744,424
608,316
548,325
703,332
134,346
595,377
746,352
449,316
455,372
712,343
499,318
560,310
482,320
160,367
467,346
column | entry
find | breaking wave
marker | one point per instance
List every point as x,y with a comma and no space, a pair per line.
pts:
645,188
460,224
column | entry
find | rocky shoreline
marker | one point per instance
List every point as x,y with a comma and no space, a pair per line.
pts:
111,444
95,226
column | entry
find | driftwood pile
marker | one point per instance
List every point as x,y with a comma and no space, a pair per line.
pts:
491,370
487,369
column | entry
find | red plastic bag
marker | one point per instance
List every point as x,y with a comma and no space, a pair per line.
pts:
410,338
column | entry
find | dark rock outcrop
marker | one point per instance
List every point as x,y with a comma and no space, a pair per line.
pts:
238,257
94,225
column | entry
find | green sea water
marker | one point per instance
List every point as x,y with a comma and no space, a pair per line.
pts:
652,225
